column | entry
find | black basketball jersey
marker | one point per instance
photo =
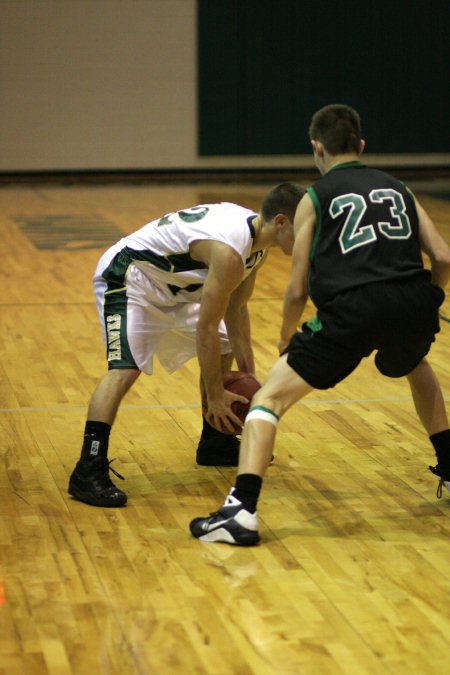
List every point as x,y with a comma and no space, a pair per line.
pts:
367,230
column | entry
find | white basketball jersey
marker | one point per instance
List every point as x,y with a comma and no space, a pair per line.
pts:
160,249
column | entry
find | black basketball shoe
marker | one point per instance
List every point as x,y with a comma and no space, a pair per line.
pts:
443,473
90,483
220,450
231,524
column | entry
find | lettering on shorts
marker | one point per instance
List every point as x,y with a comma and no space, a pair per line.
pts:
113,323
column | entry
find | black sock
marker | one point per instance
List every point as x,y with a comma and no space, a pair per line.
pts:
441,445
96,439
247,489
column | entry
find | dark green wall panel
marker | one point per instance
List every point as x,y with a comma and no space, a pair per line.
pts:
264,66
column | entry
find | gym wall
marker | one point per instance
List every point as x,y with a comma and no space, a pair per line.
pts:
177,84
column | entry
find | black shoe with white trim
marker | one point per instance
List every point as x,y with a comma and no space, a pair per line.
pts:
231,524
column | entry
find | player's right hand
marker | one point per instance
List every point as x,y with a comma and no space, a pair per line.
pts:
220,415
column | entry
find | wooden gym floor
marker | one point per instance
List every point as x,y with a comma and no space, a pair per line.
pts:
352,576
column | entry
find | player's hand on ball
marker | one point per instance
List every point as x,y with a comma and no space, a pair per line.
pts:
220,414
227,414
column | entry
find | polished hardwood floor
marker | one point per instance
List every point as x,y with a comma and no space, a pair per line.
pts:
352,575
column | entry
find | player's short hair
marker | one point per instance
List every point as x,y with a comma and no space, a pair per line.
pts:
283,198
337,127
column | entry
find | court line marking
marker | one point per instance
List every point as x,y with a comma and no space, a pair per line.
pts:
169,406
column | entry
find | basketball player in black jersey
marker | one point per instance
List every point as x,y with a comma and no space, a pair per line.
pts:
357,254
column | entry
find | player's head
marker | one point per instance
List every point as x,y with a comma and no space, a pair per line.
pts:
278,211
282,199
338,128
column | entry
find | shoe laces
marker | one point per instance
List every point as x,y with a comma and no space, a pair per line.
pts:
100,470
116,473
443,474
229,501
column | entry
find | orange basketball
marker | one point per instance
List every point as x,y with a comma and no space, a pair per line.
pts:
242,383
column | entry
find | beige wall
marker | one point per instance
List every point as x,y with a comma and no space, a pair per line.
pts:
97,84
106,84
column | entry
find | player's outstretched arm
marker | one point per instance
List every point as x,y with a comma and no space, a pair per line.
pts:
297,292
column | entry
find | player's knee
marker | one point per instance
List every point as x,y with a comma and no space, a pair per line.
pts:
269,402
262,398
124,377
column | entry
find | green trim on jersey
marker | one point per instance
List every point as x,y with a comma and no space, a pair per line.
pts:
346,165
318,226
318,210
317,230
174,262
315,324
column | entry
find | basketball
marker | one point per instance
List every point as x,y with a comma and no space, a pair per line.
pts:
244,384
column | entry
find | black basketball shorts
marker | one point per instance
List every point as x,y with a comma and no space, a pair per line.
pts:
397,319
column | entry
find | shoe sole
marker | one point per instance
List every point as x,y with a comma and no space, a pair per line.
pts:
233,533
221,535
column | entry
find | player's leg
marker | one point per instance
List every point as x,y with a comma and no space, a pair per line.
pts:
90,480
319,356
281,390
236,522
430,407
109,393
408,338
102,411
214,447
428,399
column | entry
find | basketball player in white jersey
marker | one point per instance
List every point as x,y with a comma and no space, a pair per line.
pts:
178,288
